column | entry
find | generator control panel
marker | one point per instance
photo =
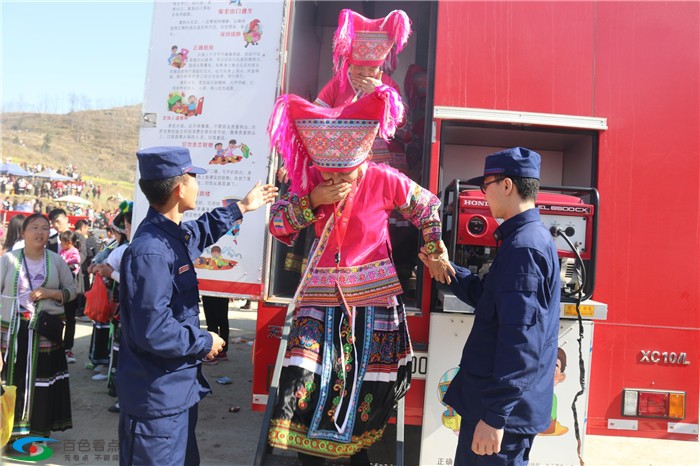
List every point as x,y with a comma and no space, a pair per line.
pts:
568,213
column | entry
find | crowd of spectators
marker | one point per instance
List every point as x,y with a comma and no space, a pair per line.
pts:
38,194
46,187
96,218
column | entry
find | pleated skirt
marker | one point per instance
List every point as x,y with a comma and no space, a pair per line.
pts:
341,378
45,407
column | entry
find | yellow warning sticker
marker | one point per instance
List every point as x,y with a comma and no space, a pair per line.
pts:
586,310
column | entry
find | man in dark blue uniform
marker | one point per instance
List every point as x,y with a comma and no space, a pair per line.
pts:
504,386
162,346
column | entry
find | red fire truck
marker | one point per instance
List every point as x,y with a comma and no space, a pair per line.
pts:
608,93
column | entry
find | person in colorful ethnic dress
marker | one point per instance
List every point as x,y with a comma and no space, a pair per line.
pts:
108,270
35,280
364,54
348,359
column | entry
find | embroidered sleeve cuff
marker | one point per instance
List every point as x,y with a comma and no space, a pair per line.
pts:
300,215
306,211
435,246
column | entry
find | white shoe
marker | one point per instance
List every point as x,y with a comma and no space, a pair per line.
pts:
98,377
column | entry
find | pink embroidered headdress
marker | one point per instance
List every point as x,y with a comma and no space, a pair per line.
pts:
368,42
333,139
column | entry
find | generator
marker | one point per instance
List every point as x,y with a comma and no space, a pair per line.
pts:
570,213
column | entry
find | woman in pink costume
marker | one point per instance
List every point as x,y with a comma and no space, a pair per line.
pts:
348,359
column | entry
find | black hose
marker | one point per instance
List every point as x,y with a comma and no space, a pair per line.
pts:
582,369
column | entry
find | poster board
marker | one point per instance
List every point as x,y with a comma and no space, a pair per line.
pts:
212,79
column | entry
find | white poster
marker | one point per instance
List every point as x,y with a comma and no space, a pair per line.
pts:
448,333
212,80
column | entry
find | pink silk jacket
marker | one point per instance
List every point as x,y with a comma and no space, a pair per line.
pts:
352,252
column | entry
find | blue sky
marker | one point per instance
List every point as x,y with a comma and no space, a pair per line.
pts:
59,56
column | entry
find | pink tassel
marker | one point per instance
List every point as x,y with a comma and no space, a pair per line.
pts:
343,78
393,110
342,46
389,65
284,138
399,26
342,40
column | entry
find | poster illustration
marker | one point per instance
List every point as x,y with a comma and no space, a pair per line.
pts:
210,63
556,445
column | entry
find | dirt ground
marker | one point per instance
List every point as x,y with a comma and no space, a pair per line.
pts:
224,438
227,438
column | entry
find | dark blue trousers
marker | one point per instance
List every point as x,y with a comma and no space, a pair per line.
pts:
515,449
168,440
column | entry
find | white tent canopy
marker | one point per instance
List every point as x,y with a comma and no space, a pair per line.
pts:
71,199
52,175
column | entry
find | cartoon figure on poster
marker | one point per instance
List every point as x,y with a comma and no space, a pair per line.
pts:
234,232
216,261
556,429
450,418
219,157
253,33
236,226
182,104
177,59
234,153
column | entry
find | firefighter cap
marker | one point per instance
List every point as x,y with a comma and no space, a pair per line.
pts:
517,161
157,163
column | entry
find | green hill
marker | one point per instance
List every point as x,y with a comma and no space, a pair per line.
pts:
101,143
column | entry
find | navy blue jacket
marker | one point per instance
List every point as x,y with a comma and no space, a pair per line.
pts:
161,343
506,375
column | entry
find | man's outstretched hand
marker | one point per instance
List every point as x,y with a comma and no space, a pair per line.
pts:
257,197
438,265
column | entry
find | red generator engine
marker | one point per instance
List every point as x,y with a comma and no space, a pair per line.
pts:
570,213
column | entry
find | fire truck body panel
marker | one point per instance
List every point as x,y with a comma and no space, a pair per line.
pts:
485,56
636,64
608,93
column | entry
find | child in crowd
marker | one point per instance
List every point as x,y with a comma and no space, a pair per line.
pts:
70,242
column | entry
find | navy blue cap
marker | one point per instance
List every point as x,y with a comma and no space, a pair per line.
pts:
517,161
156,163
